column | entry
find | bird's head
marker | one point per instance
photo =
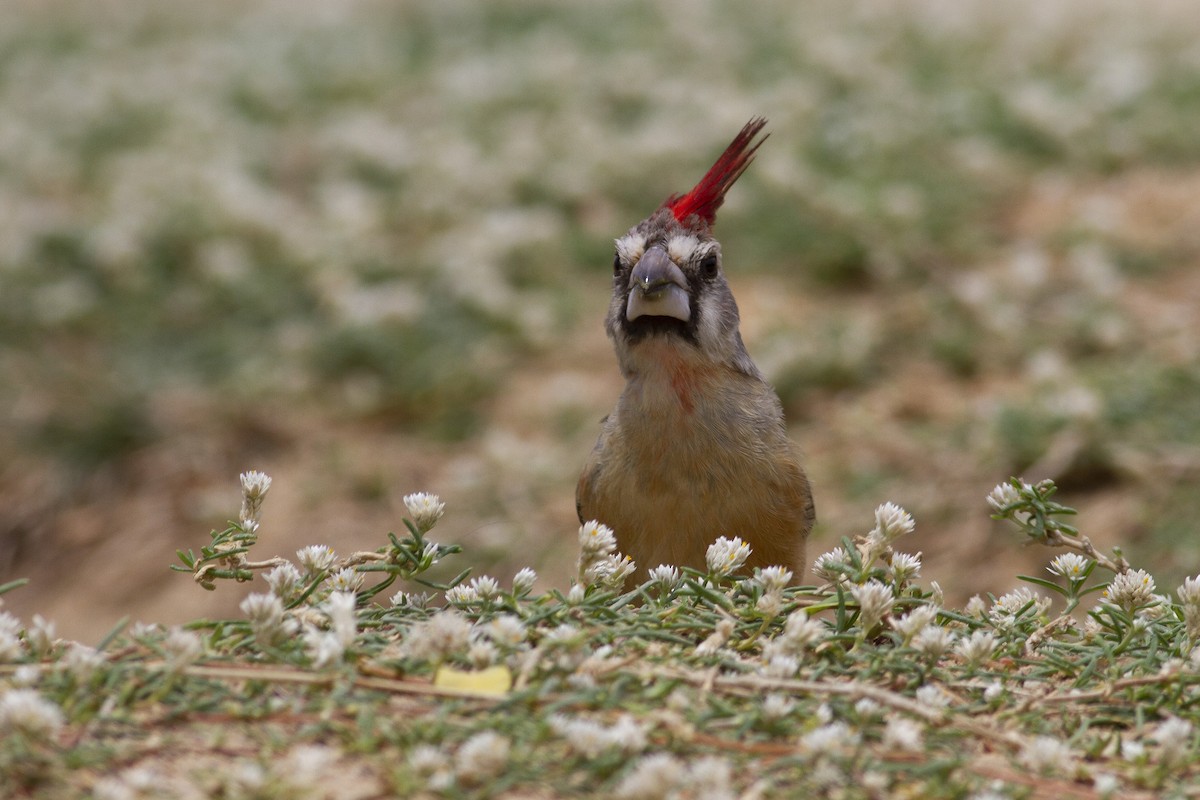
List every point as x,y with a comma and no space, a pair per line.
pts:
668,283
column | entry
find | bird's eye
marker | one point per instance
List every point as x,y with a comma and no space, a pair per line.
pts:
616,263
709,265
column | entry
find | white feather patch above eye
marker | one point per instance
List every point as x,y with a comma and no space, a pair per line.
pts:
630,248
682,248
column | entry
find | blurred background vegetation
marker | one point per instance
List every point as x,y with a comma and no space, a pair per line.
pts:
364,246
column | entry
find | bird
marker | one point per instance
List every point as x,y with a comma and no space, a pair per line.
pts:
696,446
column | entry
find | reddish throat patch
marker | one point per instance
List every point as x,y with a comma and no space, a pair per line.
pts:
683,381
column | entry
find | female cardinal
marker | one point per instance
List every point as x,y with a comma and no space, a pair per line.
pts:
696,447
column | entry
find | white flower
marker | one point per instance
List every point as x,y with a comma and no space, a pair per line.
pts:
726,555
993,691
585,736
486,586
1174,739
442,635
912,623
717,639
827,566
347,579
1069,565
143,631
1105,784
1133,750
1189,592
781,665
255,486
904,567
932,696
506,631
266,615
904,734
1004,611
40,636
829,739
628,734
323,647
977,648
482,757
564,635
1045,755
892,522
10,647
523,581
181,648
306,764
709,778
27,712
769,604
316,558
1131,589
343,619
653,777
482,654
419,600
623,567
596,539
667,577
608,571
26,675
1189,600
777,706
590,738
933,641
975,607
800,631
82,661
425,510
867,707
576,594
773,579
874,601
284,581
1003,496
462,595
426,759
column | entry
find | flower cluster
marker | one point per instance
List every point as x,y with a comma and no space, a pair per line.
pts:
424,509
891,522
1131,590
756,643
661,775
480,758
772,581
599,562
589,738
1189,601
725,556
874,600
255,486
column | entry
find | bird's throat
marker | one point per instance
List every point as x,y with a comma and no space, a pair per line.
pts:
670,377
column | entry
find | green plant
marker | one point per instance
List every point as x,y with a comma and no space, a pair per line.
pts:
698,682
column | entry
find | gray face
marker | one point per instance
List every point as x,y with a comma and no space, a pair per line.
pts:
668,282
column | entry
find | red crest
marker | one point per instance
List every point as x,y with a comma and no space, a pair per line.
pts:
707,195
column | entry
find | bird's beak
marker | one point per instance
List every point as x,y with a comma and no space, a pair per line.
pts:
657,288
